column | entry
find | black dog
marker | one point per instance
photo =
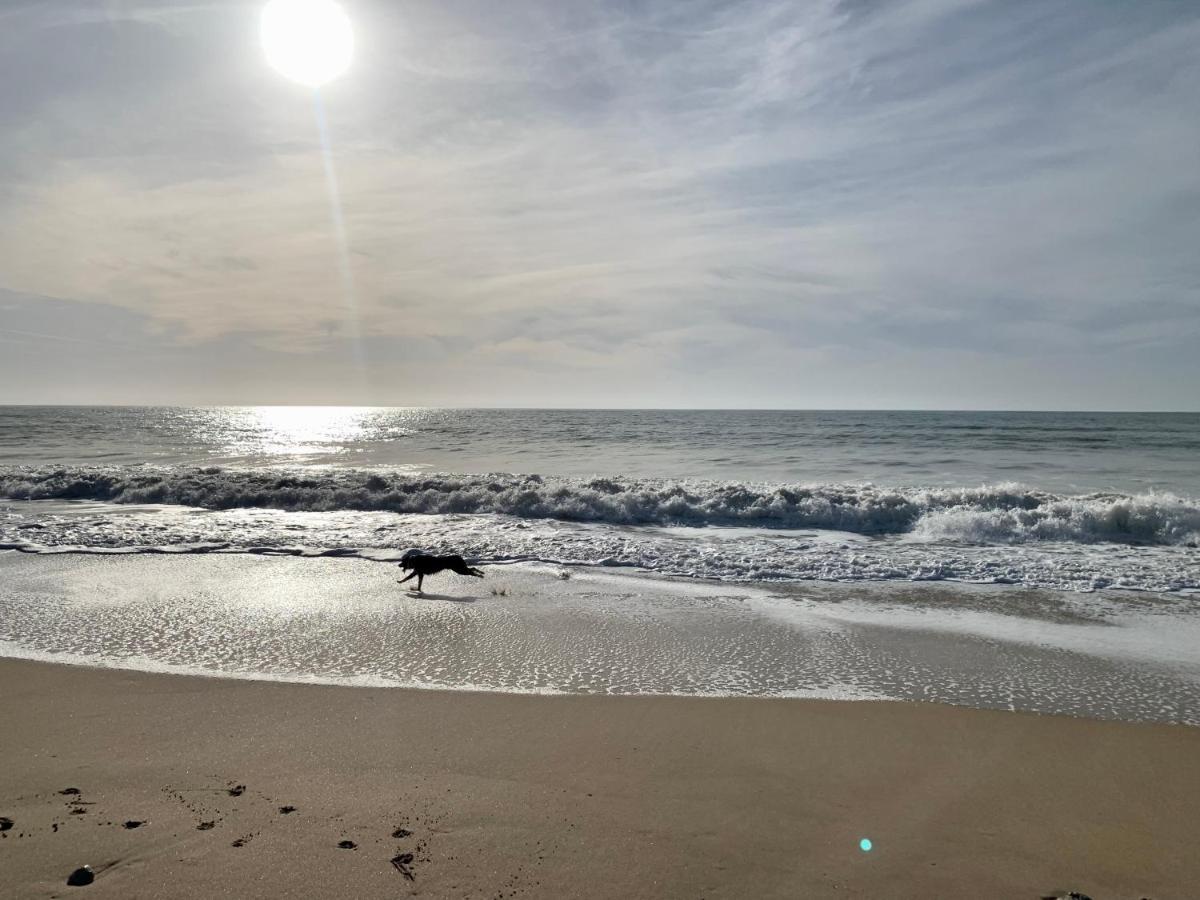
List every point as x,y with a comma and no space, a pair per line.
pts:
423,564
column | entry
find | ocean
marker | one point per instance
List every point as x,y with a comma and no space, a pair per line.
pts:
1036,561
1069,501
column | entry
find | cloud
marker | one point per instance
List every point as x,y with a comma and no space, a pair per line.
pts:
720,200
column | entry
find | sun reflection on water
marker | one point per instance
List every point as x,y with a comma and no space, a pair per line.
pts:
306,433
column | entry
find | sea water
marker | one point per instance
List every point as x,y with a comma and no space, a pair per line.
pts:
1075,501
802,546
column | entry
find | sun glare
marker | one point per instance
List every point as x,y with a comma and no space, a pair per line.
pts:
309,41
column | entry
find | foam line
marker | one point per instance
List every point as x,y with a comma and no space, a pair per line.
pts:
996,513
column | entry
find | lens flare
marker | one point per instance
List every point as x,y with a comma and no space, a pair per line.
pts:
865,845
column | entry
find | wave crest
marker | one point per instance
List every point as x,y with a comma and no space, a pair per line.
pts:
1002,513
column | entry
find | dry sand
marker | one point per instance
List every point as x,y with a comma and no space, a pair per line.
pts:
528,796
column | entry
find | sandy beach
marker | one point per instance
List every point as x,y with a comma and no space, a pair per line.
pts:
255,725
525,796
615,451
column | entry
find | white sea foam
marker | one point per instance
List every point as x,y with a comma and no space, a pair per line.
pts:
724,530
991,514
730,554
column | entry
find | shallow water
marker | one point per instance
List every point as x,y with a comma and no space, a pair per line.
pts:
346,622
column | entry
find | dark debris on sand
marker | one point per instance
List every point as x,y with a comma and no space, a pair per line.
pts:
81,876
5,823
287,809
237,790
402,863
133,823
347,845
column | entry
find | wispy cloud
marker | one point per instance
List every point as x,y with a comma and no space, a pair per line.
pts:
704,199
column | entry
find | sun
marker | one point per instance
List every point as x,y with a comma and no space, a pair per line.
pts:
309,41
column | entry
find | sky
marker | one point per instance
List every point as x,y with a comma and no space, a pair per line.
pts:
901,204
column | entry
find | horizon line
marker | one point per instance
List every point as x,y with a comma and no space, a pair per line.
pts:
465,407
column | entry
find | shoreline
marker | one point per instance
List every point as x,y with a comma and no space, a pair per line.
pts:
391,557
579,796
527,630
326,783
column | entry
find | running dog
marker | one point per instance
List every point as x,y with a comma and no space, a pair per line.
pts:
423,564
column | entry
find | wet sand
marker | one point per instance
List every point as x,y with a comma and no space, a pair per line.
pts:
526,629
259,789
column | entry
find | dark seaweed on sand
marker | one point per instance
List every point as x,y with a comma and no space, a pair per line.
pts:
401,863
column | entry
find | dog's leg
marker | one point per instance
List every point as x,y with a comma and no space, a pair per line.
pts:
459,567
420,578
410,577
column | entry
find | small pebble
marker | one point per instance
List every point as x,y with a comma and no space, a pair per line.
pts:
81,876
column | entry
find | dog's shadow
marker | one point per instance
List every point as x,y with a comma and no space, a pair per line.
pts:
420,595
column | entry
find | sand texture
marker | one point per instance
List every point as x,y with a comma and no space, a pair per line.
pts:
252,789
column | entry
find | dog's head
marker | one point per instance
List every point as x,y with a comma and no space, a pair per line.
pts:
406,561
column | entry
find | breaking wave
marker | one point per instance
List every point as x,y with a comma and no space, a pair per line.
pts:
989,514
